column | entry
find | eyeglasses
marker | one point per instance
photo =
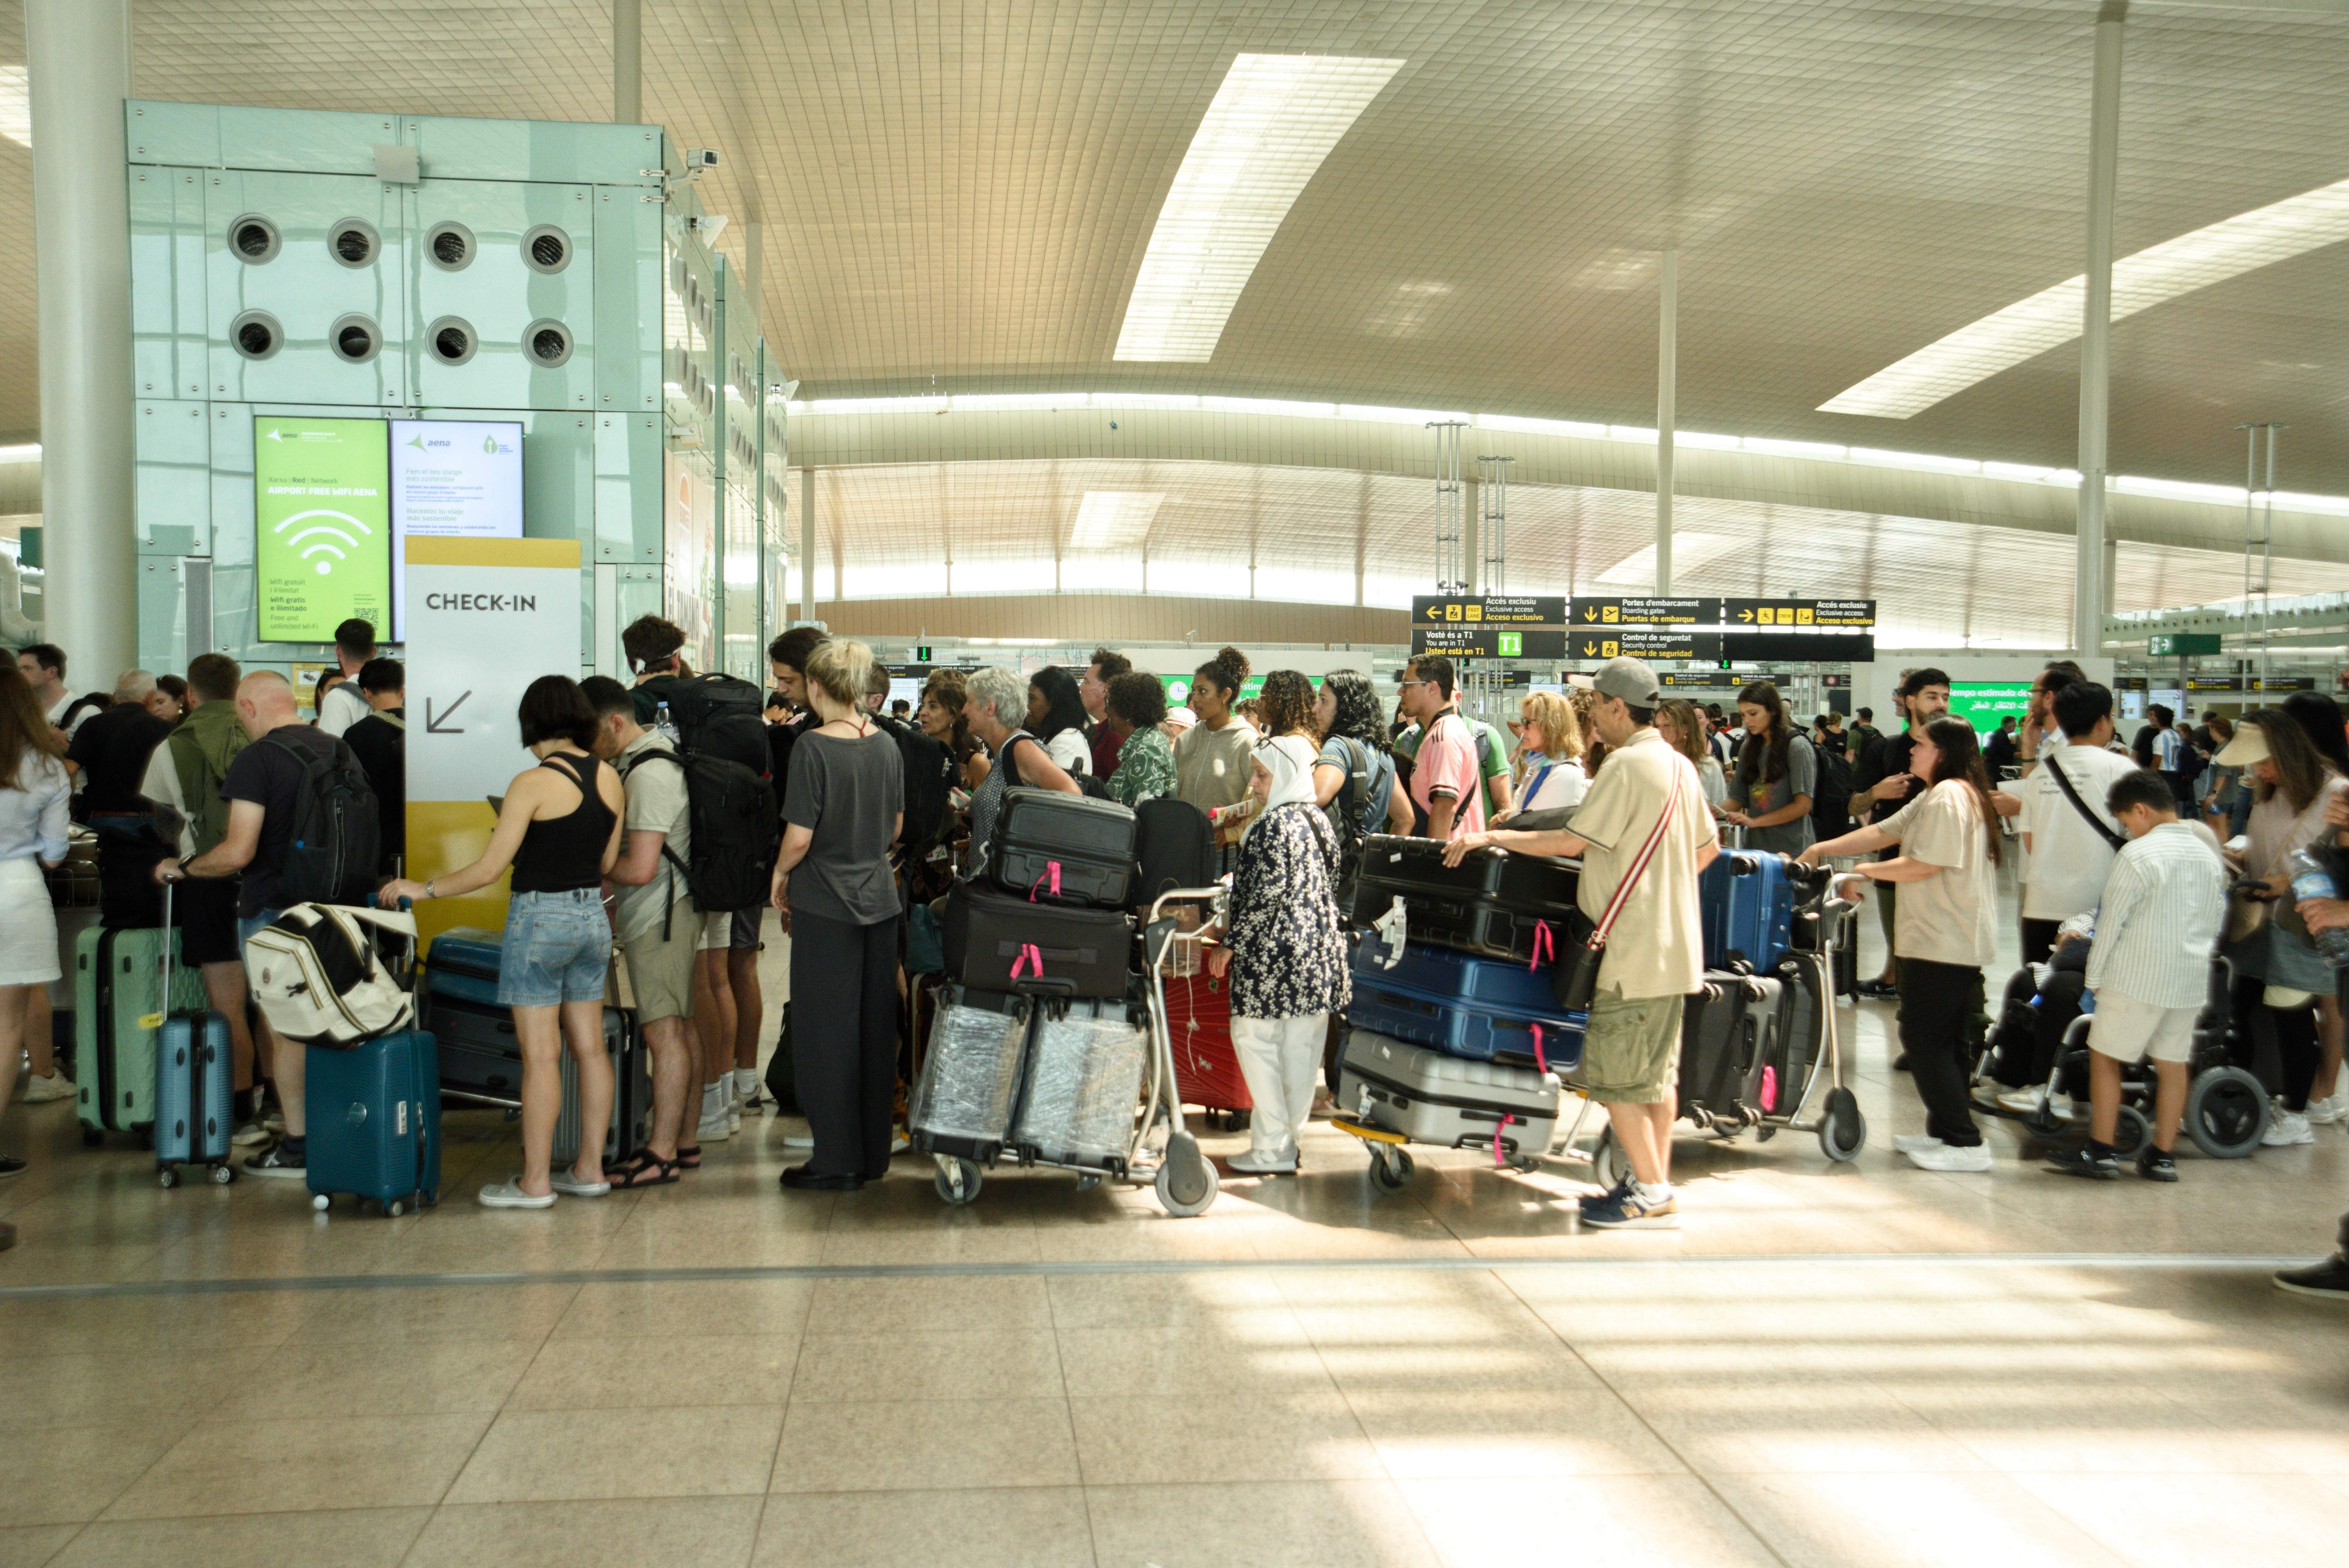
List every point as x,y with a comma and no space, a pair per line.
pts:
1406,686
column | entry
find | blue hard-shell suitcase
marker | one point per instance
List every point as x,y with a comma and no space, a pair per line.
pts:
463,964
195,1096
375,1120
1746,903
1481,1009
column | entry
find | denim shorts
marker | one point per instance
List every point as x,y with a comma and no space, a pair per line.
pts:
558,946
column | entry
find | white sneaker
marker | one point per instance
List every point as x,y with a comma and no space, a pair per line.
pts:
510,1195
2023,1101
251,1133
2332,1108
1947,1157
35,1090
1910,1142
715,1128
1252,1163
807,1141
2286,1128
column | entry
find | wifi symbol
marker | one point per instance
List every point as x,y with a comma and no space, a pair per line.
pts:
326,540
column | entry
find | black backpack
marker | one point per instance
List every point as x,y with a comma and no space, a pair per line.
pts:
721,715
1344,810
730,815
1173,847
929,774
1097,789
336,831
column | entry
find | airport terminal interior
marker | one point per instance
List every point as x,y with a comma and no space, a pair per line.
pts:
1450,782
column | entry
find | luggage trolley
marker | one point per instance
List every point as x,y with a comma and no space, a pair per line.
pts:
1841,1129
1155,1149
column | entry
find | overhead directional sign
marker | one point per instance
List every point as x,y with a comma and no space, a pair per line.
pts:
1465,641
1507,610
1712,643
1738,615
1646,612
1725,615
1643,643
2172,644
1721,680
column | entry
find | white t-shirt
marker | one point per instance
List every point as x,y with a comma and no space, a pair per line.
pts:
1952,916
56,714
2069,860
342,706
1555,785
1069,749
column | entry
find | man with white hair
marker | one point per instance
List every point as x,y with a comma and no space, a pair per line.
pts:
263,791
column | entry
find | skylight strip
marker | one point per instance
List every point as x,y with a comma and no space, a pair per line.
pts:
1263,135
16,104
2050,318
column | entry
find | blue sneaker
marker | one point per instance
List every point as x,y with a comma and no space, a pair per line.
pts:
1625,1211
1590,1200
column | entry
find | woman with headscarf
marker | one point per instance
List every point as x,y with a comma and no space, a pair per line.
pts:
1056,716
1282,947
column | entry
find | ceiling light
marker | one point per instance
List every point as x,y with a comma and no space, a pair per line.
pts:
1114,520
2051,317
1272,122
15,106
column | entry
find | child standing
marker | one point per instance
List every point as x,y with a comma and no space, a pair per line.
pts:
2158,928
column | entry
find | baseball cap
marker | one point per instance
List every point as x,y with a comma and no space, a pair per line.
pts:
1630,680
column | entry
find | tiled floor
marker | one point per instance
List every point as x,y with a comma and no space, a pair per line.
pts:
1833,1365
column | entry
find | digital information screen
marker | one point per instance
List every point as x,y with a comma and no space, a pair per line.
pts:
451,477
322,520
1983,703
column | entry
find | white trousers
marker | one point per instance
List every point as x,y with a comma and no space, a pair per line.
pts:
1278,1057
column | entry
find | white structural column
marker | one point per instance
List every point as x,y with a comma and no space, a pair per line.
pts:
1668,353
807,544
2096,328
627,62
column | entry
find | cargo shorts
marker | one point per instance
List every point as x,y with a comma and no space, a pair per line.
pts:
1630,1050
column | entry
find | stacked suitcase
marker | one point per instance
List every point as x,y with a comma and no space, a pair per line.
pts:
1459,1042
1041,1038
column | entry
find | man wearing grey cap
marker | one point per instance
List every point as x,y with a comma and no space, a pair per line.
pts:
1655,955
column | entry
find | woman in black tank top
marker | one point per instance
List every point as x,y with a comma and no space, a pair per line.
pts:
559,828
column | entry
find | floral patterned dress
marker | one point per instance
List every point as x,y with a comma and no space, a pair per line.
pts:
1289,959
1145,767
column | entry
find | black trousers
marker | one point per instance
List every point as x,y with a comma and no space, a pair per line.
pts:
2039,939
1938,1003
845,1040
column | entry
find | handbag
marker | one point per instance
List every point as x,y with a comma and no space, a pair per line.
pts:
1574,981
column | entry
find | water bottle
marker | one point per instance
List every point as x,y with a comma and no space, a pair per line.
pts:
2310,878
664,724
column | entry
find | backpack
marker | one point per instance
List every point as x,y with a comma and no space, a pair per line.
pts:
89,703
730,816
721,715
337,834
1173,847
320,980
929,773
1345,808
1085,782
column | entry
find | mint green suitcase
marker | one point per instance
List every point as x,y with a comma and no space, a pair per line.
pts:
118,986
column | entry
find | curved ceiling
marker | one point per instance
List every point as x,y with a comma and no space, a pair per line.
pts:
959,193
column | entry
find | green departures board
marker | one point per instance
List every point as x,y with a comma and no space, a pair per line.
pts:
322,525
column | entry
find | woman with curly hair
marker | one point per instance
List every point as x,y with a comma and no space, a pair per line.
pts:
1211,759
1354,742
943,720
1547,729
1136,706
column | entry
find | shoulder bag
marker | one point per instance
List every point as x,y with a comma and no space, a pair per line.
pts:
2117,841
1574,980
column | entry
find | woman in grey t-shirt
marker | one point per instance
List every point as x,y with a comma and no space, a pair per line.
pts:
842,808
1770,796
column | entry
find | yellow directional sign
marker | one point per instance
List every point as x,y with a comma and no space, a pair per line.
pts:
1489,609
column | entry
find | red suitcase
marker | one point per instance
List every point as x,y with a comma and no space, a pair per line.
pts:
1199,1023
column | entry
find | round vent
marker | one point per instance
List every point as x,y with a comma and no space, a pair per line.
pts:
255,238
547,249
451,340
355,339
449,245
256,335
355,243
548,344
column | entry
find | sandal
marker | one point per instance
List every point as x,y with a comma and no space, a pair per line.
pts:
642,1168
688,1155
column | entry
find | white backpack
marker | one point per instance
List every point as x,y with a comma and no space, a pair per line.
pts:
319,979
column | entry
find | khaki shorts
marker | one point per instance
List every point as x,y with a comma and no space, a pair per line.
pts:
1631,1051
2128,1030
660,971
717,931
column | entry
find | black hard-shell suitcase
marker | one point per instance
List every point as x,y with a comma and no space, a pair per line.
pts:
1499,904
1728,1029
996,942
480,1063
1173,847
1063,849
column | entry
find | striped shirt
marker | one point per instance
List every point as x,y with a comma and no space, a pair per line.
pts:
2158,926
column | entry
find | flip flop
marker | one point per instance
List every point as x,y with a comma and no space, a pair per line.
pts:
642,1168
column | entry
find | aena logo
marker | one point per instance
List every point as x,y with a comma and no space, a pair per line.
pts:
326,543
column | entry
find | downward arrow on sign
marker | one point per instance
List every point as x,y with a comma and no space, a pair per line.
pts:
432,724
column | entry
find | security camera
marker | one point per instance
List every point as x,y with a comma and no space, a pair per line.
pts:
700,158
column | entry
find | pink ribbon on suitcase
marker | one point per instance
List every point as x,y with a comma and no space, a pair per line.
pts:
1030,954
1050,872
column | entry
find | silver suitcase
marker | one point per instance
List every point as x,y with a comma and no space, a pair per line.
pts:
1448,1101
1085,1082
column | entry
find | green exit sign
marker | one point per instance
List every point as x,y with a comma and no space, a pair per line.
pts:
2174,645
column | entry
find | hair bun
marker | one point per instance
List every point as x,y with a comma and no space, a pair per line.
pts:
1235,661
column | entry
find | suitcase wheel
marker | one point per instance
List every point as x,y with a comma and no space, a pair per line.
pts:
169,1176
321,1203
957,1180
1843,1130
394,1209
223,1174
1390,1168
91,1138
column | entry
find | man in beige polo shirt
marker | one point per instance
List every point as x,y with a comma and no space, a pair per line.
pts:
1655,955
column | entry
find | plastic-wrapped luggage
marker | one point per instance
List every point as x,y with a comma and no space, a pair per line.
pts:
1199,1026
1493,903
993,941
1085,1082
1746,905
1449,1101
964,1100
1063,849
1484,1009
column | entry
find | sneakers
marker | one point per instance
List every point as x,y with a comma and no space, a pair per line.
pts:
280,1160
1627,1211
807,1141
717,1126
2155,1165
1909,1143
251,1133
9,1166
35,1090
2328,1281
1253,1162
510,1195
2332,1108
1590,1200
1950,1156
2096,1164
733,1103
2023,1101
2286,1128
749,1090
